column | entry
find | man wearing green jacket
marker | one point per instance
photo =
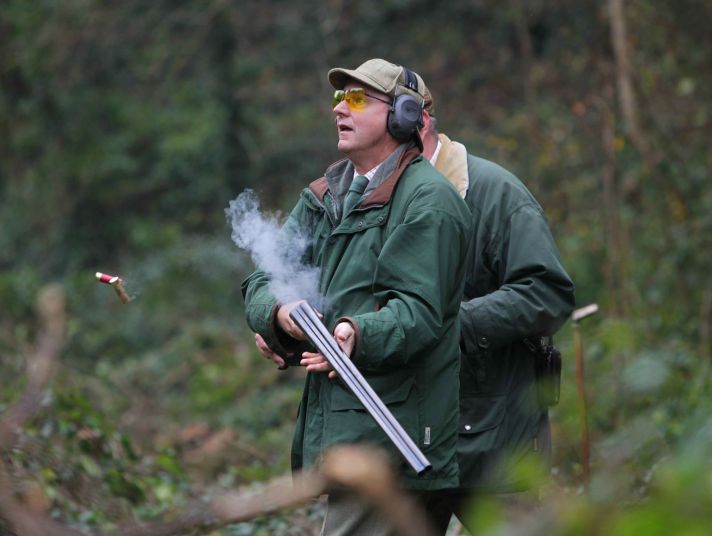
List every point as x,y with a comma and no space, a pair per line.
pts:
391,273
516,288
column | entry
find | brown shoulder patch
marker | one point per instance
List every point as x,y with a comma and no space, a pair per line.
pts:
319,187
383,193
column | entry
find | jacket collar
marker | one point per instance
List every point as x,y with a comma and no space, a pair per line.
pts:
452,162
339,175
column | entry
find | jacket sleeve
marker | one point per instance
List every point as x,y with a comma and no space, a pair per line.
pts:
535,295
258,290
415,285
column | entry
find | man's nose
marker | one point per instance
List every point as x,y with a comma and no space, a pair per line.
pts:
341,109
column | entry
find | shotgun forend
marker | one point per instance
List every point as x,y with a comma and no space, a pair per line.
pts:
306,318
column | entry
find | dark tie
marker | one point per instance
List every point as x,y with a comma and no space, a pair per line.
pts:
358,185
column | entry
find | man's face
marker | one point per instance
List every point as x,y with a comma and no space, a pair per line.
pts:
363,133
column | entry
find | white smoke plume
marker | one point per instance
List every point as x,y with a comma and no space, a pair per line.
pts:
274,251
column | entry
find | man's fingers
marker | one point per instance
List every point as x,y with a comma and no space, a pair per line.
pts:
286,322
262,345
268,353
319,367
309,358
315,362
345,336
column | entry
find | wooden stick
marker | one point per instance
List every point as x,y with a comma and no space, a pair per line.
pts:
576,317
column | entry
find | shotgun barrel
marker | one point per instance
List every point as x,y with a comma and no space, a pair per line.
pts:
306,318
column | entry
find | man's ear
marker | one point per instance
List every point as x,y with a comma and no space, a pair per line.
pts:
426,134
426,124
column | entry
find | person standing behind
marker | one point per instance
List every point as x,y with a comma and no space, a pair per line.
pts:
516,291
392,273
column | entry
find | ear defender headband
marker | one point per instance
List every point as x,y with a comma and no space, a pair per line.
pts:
406,114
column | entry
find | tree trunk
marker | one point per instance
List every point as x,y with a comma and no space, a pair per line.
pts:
624,80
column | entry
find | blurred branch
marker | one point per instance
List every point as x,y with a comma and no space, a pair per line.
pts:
236,507
368,472
365,471
51,309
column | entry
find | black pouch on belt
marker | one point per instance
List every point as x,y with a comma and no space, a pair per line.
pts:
547,363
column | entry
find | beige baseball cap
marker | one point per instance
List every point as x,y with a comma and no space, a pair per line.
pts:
385,77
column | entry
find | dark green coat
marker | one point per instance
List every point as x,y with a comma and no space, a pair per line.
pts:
515,287
394,267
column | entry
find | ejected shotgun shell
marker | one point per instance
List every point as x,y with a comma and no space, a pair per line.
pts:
117,283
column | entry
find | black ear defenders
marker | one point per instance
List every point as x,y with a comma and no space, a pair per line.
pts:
406,115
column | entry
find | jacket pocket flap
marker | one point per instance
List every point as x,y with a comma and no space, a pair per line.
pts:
343,399
478,414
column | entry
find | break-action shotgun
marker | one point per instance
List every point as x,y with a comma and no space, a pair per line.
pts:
306,318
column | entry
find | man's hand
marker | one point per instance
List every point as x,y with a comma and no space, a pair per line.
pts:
315,362
268,352
287,324
345,335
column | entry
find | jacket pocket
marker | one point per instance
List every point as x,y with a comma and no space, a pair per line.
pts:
342,399
479,414
476,374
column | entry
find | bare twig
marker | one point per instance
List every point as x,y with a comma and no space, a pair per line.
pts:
50,307
24,521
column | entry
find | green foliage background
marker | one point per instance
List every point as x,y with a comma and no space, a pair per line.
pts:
127,127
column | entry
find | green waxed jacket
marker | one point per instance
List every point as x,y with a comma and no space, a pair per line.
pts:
515,287
394,268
